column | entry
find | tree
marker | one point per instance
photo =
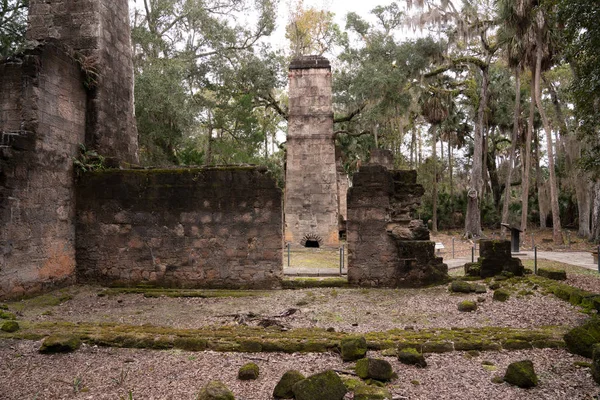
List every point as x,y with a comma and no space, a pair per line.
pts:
311,31
13,24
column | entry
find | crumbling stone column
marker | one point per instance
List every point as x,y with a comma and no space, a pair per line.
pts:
386,247
311,203
99,33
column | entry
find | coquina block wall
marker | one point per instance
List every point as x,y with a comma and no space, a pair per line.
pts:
98,33
42,122
213,227
386,247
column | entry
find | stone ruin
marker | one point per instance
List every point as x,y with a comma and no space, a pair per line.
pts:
495,258
182,227
386,246
311,180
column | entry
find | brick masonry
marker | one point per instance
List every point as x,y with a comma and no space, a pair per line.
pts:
386,247
42,121
214,227
311,194
99,32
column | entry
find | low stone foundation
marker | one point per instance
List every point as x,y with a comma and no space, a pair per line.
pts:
494,258
215,227
386,247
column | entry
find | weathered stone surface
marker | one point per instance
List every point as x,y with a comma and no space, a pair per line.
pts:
60,344
555,274
596,363
411,356
495,258
461,287
249,371
215,390
283,389
467,306
521,374
365,392
501,295
42,122
325,385
100,33
311,194
353,348
384,246
374,368
581,340
212,227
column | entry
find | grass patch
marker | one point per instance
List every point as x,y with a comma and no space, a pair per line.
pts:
45,300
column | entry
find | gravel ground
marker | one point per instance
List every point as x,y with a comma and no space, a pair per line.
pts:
108,373
348,310
590,283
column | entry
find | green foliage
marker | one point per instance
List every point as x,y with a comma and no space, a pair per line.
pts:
88,160
13,23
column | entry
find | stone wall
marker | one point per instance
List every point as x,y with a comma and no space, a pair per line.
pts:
42,121
214,227
386,247
311,203
99,33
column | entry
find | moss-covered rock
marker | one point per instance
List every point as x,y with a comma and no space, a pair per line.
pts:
501,295
521,374
325,385
480,289
467,306
283,389
190,343
7,315
374,368
9,326
411,356
353,348
494,285
461,287
596,363
554,274
248,372
366,392
580,340
60,344
473,269
215,390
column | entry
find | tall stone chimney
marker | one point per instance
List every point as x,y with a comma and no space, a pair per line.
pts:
311,203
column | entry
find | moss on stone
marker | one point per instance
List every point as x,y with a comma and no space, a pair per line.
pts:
325,385
515,344
437,346
283,389
521,374
551,273
411,356
374,368
353,348
596,363
497,380
372,393
7,315
249,371
467,306
215,390
60,344
351,383
190,343
480,289
580,340
9,326
501,295
461,287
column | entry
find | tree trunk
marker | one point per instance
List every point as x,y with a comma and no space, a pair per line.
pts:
473,217
434,195
527,161
208,152
539,183
595,235
556,229
494,180
450,166
513,145
413,144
